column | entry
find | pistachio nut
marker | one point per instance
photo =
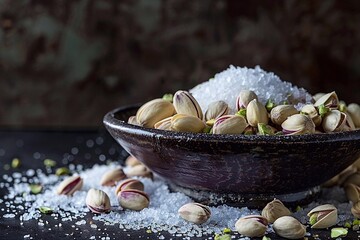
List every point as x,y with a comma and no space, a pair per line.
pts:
139,171
313,113
256,113
349,124
323,216
164,124
289,227
298,124
317,96
244,98
195,212
97,201
329,100
354,110
133,199
185,103
70,185
252,226
229,124
281,112
334,121
186,123
352,192
355,209
216,110
132,120
266,129
132,161
154,111
110,178
275,209
129,184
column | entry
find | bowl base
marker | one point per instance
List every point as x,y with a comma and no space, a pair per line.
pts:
255,201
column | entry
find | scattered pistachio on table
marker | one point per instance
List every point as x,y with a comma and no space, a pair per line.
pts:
195,212
15,163
133,199
323,216
62,171
35,188
275,209
252,226
45,210
97,201
70,185
289,227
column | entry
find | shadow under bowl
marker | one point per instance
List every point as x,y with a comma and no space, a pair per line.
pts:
241,167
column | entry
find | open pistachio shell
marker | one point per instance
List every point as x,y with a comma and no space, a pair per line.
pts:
256,113
275,209
354,110
185,103
317,96
352,192
216,110
70,185
230,124
252,226
289,227
244,98
186,123
329,100
298,124
281,112
129,184
334,121
313,113
154,111
324,216
195,212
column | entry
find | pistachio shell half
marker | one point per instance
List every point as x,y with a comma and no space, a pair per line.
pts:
185,103
139,171
334,121
187,123
275,209
289,227
352,192
329,100
229,124
323,216
110,178
244,98
252,226
256,113
354,110
195,212
216,110
133,199
313,113
98,201
298,124
70,185
129,184
281,112
154,111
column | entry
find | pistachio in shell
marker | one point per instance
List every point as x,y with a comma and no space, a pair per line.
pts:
323,216
132,120
154,111
313,113
164,124
329,100
334,121
185,103
110,178
98,201
129,184
354,110
195,212
317,96
70,185
252,226
298,124
229,124
133,199
275,209
256,113
139,171
186,123
244,98
289,227
281,112
216,110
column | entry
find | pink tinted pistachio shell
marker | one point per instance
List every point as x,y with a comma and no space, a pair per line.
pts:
70,185
281,112
229,124
216,110
133,199
252,226
195,212
129,184
244,98
97,201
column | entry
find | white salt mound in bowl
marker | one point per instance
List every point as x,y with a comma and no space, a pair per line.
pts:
227,85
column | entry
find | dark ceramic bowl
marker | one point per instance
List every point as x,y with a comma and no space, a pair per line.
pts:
236,164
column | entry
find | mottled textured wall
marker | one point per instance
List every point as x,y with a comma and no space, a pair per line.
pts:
67,62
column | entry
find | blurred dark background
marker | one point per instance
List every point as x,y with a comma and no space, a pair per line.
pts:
68,62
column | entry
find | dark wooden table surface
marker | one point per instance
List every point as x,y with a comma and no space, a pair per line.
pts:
33,146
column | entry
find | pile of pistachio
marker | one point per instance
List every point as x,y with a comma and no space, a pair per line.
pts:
182,113
130,192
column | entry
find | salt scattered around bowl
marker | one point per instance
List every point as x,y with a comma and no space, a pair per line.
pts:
227,85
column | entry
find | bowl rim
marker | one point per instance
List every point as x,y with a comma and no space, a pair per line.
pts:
111,121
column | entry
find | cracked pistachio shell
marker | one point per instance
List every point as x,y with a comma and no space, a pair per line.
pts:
275,209
329,100
252,226
334,121
187,123
281,112
289,227
70,185
133,199
195,212
97,201
185,103
244,98
164,124
154,111
355,210
298,124
256,113
129,184
229,124
354,110
325,216
352,192
132,161
216,110
110,178
313,113
139,171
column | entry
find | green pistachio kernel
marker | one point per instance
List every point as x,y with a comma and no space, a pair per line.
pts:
210,122
207,129
45,210
227,230
265,238
222,237
356,222
298,208
49,163
15,163
270,104
265,129
338,232
241,112
323,110
168,97
342,107
62,171
35,188
313,218
347,225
